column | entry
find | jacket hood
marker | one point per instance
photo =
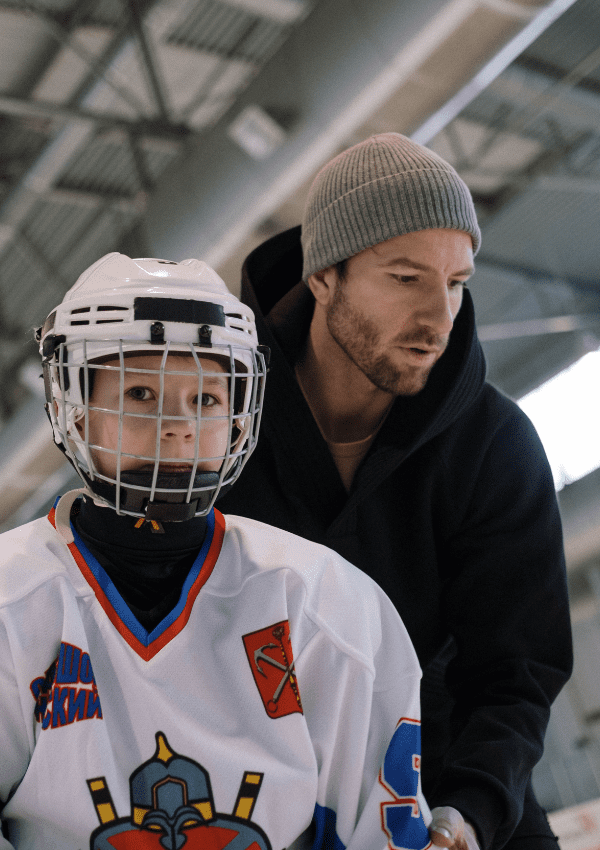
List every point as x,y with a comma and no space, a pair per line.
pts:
273,272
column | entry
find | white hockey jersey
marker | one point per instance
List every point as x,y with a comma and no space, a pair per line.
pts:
275,707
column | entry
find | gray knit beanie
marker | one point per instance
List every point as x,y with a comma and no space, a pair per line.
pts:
383,187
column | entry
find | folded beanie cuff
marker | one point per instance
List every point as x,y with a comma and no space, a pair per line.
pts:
384,187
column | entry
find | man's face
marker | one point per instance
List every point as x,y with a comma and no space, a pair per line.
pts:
393,312
176,436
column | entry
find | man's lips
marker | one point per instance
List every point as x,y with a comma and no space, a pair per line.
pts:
421,351
426,343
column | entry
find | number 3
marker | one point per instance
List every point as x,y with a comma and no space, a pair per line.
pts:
401,819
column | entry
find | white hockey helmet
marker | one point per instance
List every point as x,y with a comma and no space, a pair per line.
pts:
122,307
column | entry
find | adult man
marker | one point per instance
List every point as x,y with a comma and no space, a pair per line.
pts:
382,439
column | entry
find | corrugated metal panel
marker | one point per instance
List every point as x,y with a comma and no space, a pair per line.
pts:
29,290
26,288
105,166
21,142
25,45
500,295
229,32
260,40
98,240
55,228
109,12
61,236
570,39
50,6
229,40
553,227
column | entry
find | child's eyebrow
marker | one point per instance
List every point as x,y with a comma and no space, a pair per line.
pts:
137,373
216,379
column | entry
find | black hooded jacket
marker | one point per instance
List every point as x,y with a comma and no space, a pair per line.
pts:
453,513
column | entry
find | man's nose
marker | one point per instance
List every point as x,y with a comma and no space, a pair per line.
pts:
435,310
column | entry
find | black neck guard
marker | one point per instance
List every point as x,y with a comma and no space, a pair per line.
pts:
147,569
128,533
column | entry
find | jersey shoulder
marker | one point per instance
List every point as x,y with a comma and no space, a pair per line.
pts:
267,548
337,597
30,556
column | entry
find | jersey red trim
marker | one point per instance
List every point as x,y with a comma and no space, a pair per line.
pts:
148,652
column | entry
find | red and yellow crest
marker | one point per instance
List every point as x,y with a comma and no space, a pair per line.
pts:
271,660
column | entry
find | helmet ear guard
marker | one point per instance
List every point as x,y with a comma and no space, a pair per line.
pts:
121,308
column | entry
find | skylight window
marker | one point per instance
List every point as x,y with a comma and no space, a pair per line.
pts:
566,413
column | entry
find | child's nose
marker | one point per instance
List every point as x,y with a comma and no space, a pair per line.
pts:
179,419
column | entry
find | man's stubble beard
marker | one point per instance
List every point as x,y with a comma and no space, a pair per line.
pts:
359,339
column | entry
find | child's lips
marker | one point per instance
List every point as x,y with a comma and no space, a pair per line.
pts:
168,467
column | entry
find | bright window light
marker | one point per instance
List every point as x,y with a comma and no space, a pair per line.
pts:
566,413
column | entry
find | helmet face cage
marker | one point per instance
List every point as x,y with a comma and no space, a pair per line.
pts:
155,311
152,493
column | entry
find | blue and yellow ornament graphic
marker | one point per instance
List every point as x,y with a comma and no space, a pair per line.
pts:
172,807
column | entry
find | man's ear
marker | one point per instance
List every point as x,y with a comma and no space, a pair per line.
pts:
322,284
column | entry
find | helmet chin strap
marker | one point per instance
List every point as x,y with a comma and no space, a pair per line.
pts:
135,487
62,513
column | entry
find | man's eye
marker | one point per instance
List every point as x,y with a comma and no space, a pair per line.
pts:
405,278
458,284
139,393
208,400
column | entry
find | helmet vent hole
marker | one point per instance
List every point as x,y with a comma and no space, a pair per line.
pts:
93,314
244,327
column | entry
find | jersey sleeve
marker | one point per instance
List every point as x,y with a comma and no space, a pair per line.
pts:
14,746
363,714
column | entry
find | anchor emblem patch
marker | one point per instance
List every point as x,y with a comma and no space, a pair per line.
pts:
271,660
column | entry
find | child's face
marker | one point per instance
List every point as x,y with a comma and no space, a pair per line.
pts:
140,396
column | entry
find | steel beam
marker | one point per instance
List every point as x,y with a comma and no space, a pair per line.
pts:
17,106
538,327
152,71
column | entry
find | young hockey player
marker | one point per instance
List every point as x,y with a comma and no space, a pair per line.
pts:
171,677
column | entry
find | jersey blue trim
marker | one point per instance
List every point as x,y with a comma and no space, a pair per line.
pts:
326,838
191,578
118,603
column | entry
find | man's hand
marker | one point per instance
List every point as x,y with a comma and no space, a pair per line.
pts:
449,829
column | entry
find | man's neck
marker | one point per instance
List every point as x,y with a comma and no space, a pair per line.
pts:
344,402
